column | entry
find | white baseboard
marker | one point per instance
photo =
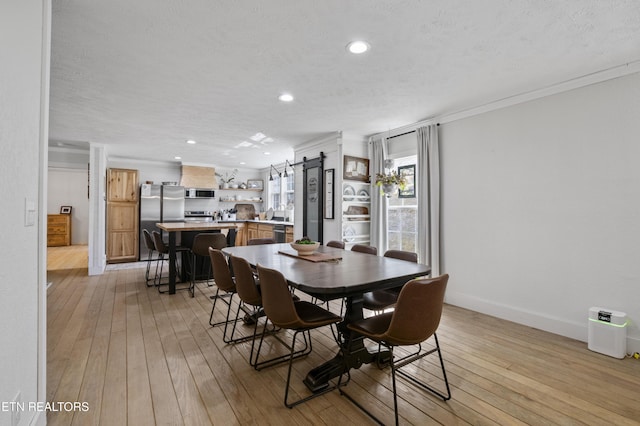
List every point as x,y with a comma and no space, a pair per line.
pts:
556,325
538,320
633,345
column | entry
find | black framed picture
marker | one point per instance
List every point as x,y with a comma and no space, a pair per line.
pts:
409,174
356,168
329,188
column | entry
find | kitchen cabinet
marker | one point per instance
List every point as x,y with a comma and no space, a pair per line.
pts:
58,230
265,230
252,231
356,204
122,185
122,215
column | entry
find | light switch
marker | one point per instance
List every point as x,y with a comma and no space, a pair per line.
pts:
29,212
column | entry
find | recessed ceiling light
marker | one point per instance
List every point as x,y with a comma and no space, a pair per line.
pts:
357,47
177,158
191,142
286,97
242,162
266,153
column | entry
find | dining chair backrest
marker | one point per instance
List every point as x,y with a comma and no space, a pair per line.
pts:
259,241
161,247
335,244
276,299
417,312
363,248
245,281
409,256
148,240
221,271
203,241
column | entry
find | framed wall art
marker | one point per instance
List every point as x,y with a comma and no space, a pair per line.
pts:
65,210
355,168
257,184
409,173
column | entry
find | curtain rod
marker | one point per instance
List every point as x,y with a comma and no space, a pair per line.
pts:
407,133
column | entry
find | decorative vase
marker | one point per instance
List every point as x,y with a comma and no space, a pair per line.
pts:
225,185
389,189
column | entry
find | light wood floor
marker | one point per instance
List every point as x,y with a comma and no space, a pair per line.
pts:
139,357
67,257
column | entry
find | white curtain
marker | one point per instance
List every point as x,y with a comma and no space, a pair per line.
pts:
428,191
378,233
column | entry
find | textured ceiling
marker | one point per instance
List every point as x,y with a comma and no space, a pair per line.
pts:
143,76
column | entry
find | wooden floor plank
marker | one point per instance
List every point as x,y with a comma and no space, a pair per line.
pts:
139,401
137,356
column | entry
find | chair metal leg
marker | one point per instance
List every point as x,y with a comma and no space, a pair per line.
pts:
294,354
305,334
406,361
146,274
395,370
159,282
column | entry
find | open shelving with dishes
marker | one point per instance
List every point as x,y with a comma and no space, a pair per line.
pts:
356,202
234,195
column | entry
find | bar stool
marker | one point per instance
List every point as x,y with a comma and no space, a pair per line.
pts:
200,249
163,249
151,247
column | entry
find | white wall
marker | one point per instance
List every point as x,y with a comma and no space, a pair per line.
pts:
69,187
23,130
541,208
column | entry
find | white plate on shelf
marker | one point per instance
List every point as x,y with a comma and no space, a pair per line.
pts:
363,193
269,214
348,192
349,234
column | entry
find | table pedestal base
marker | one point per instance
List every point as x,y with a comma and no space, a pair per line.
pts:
353,353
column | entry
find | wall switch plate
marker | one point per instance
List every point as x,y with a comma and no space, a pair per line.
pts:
29,212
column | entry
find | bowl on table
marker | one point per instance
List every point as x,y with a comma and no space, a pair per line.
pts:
305,249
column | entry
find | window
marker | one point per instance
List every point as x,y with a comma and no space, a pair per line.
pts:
281,192
402,225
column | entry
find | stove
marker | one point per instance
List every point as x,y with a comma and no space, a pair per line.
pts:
198,216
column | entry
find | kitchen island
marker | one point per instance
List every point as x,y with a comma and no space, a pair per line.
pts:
174,227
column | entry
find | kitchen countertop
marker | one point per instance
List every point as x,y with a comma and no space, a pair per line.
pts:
268,222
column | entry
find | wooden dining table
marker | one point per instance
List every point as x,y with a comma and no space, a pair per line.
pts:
172,228
342,274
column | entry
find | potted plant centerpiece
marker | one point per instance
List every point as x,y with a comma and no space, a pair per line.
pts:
227,178
390,182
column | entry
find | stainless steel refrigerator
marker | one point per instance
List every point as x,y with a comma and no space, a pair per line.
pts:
159,203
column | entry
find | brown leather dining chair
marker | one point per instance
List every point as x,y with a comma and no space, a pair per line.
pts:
301,317
248,290
258,241
335,244
380,300
414,320
363,248
224,282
